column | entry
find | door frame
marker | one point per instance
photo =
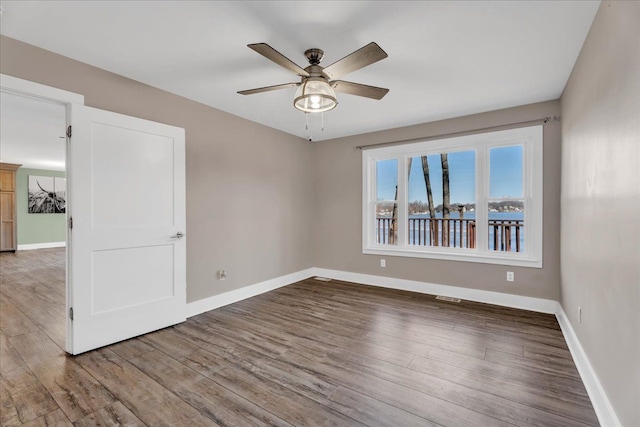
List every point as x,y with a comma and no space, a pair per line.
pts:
29,89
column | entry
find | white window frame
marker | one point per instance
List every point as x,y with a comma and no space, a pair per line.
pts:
532,141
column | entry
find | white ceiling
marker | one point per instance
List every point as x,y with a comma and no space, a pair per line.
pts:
32,132
446,59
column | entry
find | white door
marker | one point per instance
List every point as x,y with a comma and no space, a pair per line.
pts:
127,250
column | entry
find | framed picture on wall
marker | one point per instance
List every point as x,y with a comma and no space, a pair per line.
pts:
47,194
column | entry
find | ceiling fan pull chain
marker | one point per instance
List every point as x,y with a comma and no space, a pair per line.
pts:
306,126
322,127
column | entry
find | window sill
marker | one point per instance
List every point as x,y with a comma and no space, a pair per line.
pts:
464,255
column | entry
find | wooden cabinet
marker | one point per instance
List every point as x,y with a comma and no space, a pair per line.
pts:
8,218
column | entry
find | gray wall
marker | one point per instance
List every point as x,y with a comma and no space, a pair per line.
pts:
304,200
601,203
338,190
249,207
37,228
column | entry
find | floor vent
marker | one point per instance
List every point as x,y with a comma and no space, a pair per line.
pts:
450,299
322,279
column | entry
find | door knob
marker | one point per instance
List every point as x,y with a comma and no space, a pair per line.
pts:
178,235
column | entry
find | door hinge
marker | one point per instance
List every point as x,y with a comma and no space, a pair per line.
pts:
71,313
71,223
69,131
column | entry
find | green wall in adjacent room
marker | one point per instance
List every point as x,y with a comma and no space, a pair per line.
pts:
37,228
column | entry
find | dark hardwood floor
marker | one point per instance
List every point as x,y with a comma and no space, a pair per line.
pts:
311,353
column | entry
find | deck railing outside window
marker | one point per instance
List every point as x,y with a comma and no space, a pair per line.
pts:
504,234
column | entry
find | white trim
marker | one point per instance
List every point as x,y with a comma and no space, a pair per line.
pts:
463,255
507,300
32,89
32,246
497,298
10,84
197,307
599,400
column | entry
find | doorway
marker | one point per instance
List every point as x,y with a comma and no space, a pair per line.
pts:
33,139
33,144
125,217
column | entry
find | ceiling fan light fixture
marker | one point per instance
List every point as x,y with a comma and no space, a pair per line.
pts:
315,95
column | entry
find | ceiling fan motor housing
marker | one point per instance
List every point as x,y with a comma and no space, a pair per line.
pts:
314,55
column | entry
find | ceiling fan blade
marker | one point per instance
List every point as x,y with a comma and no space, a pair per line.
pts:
362,57
275,56
359,89
267,88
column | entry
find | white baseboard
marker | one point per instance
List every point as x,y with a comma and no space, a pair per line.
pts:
497,298
47,245
216,301
599,400
604,410
507,300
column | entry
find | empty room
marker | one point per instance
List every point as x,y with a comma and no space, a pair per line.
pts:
312,213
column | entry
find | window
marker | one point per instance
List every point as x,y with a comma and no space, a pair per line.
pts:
473,198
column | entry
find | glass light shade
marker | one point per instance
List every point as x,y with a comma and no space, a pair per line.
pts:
315,96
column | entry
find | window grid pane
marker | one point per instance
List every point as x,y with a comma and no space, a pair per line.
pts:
442,199
387,179
506,207
506,173
506,226
386,223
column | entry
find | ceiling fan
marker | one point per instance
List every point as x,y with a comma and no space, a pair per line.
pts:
317,86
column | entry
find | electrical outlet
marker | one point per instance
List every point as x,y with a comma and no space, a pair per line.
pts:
510,276
383,263
222,275
579,314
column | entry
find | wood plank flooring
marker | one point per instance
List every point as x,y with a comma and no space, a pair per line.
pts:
309,354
